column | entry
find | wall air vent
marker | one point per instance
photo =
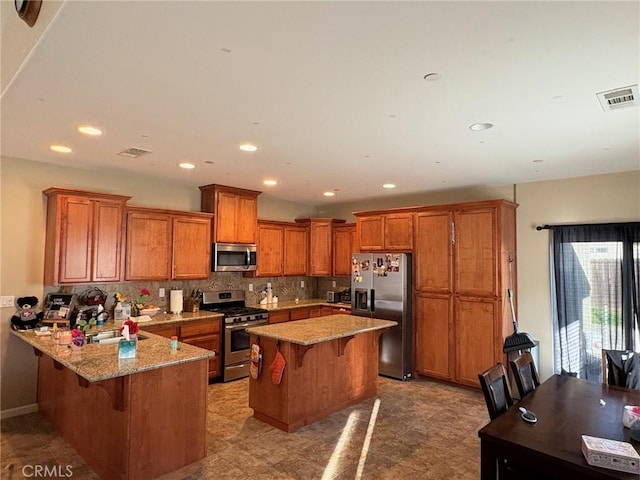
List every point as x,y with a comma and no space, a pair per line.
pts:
618,98
133,152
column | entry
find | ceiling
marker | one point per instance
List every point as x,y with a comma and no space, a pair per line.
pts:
332,93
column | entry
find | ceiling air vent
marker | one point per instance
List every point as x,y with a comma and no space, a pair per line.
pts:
133,152
618,98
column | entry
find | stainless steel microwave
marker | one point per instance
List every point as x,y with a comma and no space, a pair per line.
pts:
234,257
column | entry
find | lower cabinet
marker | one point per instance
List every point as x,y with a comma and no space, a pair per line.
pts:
434,314
199,333
300,313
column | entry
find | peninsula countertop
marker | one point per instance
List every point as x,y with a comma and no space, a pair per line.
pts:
95,362
320,329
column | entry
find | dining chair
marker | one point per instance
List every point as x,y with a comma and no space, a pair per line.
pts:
525,374
621,368
495,387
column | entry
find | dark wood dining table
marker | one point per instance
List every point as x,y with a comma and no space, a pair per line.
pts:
567,408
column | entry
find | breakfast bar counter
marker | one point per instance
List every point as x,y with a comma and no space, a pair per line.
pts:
331,363
135,418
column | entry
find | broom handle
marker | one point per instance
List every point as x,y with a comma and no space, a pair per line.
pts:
513,312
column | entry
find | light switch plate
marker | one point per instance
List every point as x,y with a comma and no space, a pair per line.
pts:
7,301
251,287
333,284
161,293
301,283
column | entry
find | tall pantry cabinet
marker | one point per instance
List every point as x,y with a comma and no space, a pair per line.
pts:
464,260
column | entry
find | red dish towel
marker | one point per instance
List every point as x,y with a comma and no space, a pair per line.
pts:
277,368
255,365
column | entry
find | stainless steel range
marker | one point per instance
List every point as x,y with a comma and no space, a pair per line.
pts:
237,318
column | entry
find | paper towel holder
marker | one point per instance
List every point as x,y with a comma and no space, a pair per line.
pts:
176,301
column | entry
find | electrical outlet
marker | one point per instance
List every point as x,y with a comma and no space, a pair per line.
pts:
7,301
333,284
251,287
268,284
161,293
301,283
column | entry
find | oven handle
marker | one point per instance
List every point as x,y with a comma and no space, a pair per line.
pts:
238,326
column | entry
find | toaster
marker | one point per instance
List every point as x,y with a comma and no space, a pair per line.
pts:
333,297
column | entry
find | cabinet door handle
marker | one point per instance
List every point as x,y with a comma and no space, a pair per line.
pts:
453,233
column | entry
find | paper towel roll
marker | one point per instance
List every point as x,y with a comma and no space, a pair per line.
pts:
175,301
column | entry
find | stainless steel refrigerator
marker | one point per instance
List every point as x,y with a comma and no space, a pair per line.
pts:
381,288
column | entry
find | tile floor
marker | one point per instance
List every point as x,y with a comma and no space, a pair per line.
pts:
422,429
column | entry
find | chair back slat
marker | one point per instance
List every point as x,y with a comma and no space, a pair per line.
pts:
495,387
525,374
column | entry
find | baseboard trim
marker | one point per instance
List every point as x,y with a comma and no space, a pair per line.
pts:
15,412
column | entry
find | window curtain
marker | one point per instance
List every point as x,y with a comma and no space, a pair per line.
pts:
595,289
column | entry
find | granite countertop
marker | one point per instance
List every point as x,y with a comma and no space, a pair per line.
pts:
320,329
95,362
290,304
171,318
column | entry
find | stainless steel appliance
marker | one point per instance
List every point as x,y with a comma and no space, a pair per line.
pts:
237,318
234,257
333,297
381,288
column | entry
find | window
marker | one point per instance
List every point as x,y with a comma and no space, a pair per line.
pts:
595,292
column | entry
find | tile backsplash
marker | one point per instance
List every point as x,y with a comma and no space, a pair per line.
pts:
286,288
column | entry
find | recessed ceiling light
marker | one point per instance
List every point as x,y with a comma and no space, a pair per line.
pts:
270,182
389,185
329,194
247,147
187,165
89,130
432,77
60,148
477,127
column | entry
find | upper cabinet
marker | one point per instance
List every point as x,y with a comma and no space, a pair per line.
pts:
296,250
376,231
344,241
283,249
165,244
235,210
320,244
83,236
270,249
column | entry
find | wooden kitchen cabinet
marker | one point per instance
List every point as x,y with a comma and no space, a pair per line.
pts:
83,240
205,334
462,259
279,316
236,213
320,244
270,249
377,231
191,247
282,249
296,250
344,240
166,244
335,310
299,313
166,331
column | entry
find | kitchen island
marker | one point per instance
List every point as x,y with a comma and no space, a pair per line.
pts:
133,418
331,363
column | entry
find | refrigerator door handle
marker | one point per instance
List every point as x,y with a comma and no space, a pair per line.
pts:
373,300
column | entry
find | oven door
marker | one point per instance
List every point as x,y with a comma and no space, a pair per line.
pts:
237,348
